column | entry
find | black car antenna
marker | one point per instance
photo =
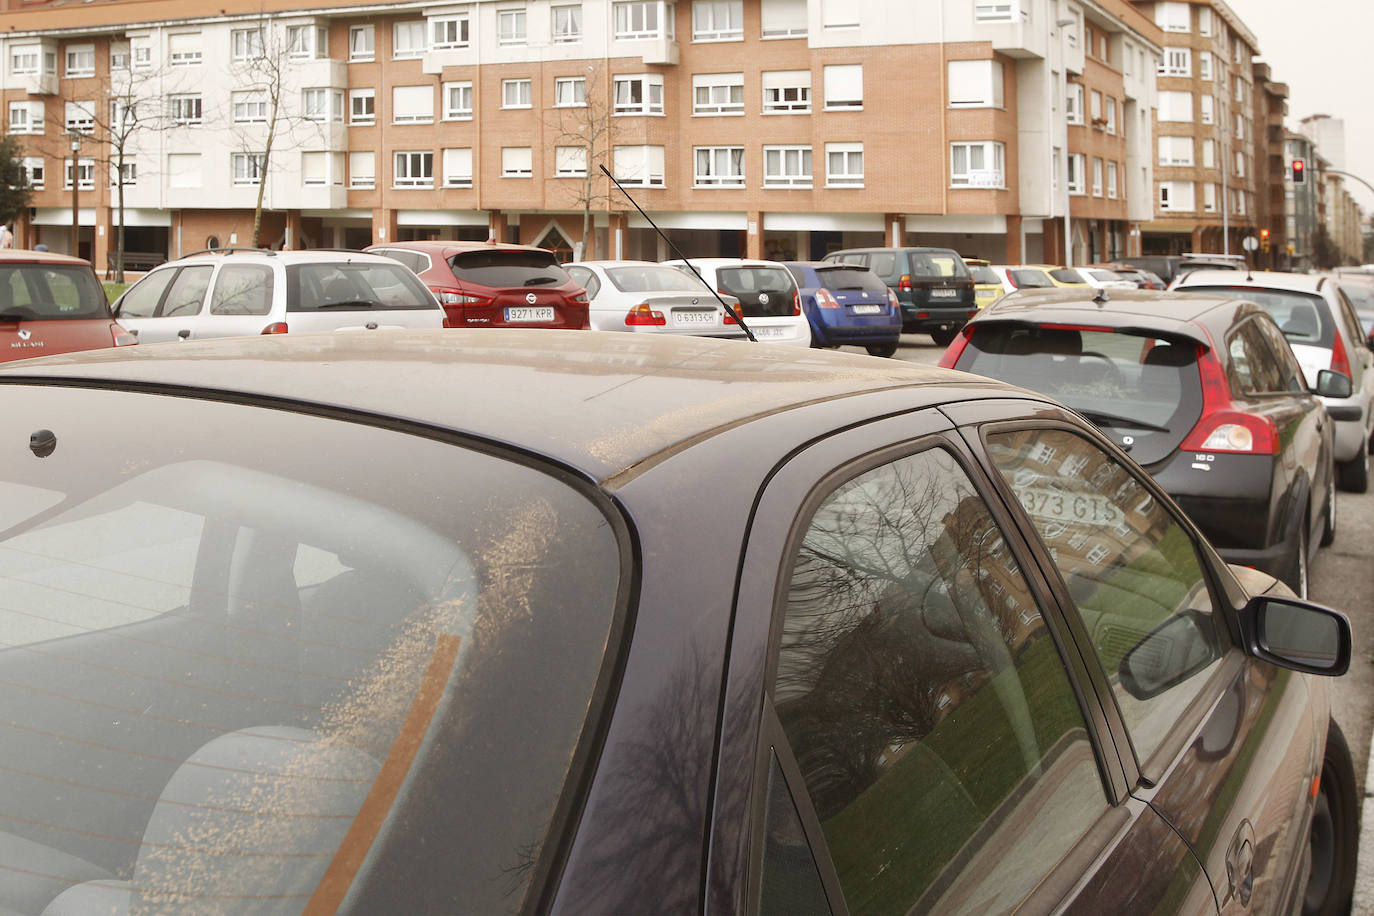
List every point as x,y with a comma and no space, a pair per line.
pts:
739,318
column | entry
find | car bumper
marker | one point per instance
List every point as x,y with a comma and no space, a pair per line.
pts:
1231,499
1352,436
921,319
856,334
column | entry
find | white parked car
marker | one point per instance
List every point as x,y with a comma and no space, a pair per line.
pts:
1102,278
237,292
1324,331
1019,276
647,297
767,295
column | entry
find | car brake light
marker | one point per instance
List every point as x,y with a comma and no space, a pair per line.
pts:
1340,362
892,299
1078,327
956,348
1011,281
643,315
904,284
579,298
796,302
276,327
447,296
826,300
1222,428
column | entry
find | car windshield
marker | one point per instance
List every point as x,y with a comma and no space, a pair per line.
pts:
983,273
649,278
1029,278
1134,385
937,265
50,292
506,268
850,278
1066,275
248,667
1302,317
360,286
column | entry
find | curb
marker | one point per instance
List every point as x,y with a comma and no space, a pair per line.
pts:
1363,904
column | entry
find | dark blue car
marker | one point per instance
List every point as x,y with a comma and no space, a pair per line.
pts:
847,304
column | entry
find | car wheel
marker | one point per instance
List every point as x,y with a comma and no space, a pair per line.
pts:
1354,474
884,350
1329,526
1332,836
943,338
1297,577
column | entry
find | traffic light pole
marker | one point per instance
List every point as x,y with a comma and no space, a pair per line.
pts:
1350,175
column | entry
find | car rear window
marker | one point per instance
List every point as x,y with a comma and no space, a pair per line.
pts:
1066,275
1304,318
249,667
356,286
845,278
762,291
649,278
1133,385
507,268
50,292
1029,278
930,265
983,273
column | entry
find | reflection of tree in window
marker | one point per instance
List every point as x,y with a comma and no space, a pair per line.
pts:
918,692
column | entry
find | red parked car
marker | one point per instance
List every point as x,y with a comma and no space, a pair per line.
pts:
489,285
52,303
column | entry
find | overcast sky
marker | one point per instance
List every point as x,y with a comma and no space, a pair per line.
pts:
1322,50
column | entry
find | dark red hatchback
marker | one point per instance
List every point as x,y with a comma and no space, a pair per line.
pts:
489,285
52,303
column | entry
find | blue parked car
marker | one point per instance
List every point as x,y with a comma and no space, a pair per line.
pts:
847,304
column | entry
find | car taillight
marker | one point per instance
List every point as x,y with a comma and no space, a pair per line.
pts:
796,302
276,327
956,348
826,300
1223,428
447,296
1340,362
892,299
643,315
580,298
121,337
1011,281
904,284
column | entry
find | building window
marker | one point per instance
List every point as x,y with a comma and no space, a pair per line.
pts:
570,92
975,84
362,170
1078,166
1111,181
784,18
1239,90
123,115
1240,127
81,60
786,91
408,39
248,107
1177,106
1209,198
1208,109
717,93
1097,177
362,106
80,117
717,20
570,161
787,166
34,172
1240,165
517,162
718,167
186,109
510,27
839,14
412,104
996,11
183,49
1073,104
24,60
515,93
143,54
1176,196
245,45
1111,114
307,42
1209,154
844,87
362,42
119,55
247,168
978,165
1204,20
1176,151
85,174
1095,101
413,169
1173,16
638,165
322,104
26,117
637,20
314,168
449,32
844,165
1176,62
567,24
641,94
457,101
1204,65
458,168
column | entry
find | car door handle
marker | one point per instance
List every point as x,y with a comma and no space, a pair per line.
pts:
184,334
1240,863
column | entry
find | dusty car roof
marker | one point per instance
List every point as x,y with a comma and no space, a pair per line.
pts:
1263,279
600,402
1174,312
26,256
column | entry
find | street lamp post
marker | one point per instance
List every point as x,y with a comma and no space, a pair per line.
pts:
76,181
1062,24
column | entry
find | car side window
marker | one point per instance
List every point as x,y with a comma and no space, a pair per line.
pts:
1253,367
1350,322
1290,371
187,293
142,298
940,743
588,280
242,289
883,263
1130,567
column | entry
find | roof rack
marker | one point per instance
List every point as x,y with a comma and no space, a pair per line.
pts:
230,250
1202,255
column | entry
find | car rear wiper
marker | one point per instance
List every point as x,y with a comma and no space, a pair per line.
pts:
16,316
540,281
1110,419
356,303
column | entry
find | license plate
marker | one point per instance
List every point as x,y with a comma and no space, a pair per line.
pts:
761,333
1064,506
867,309
683,318
529,313
944,293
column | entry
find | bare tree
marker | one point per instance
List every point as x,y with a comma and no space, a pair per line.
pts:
14,183
591,127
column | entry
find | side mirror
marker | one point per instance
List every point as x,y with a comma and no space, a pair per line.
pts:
1334,384
1168,655
1297,634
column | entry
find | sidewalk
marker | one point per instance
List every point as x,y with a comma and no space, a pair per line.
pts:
1364,876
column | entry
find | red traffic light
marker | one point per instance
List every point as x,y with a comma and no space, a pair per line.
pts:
1264,233
1299,171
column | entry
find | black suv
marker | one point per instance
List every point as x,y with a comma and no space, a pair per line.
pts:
933,286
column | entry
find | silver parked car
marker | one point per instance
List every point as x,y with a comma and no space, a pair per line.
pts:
236,292
646,297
